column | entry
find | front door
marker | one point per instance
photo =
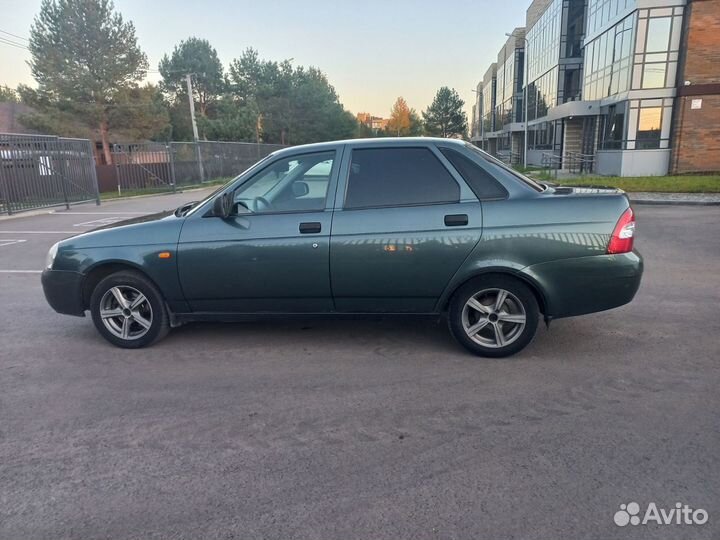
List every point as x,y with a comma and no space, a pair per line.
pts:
272,254
405,227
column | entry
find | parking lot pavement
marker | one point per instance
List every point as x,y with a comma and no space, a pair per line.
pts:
363,429
26,238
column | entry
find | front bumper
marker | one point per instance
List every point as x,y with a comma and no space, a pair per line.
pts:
63,291
588,284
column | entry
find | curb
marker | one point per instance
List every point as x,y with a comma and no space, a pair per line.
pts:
59,208
29,213
161,193
657,202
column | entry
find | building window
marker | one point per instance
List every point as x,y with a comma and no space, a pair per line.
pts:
608,61
657,47
658,35
541,136
601,11
614,128
654,75
649,127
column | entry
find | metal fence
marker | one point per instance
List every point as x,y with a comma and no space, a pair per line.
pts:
148,167
508,157
41,171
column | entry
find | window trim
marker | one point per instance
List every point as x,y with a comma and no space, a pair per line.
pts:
428,148
495,180
526,182
337,157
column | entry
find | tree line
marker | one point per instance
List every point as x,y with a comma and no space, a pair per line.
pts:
89,70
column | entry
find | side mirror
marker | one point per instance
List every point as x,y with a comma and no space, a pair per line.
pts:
300,189
222,205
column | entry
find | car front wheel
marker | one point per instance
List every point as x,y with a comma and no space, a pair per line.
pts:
128,310
494,316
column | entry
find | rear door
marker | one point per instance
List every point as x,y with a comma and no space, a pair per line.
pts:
403,224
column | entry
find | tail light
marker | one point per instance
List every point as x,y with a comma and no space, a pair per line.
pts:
621,240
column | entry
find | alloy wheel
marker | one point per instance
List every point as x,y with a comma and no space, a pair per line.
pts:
494,318
126,312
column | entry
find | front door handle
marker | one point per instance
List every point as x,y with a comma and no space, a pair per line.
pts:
310,227
456,220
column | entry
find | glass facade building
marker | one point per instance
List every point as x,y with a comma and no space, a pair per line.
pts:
509,84
602,83
638,54
488,111
555,44
501,114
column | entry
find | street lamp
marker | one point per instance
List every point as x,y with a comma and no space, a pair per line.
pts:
482,122
525,94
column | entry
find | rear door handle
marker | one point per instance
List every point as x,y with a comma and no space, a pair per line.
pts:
310,227
456,220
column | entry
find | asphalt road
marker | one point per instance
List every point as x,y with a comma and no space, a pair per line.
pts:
370,429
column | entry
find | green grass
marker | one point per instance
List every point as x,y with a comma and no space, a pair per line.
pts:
658,184
530,169
153,191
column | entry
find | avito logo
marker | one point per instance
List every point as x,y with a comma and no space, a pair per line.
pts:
682,514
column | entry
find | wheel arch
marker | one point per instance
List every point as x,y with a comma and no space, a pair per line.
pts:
498,271
96,273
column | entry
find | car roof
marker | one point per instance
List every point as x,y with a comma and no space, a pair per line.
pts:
375,142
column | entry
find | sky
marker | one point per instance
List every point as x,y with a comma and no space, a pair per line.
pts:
371,50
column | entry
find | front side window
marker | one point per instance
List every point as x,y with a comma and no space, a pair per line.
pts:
398,177
293,184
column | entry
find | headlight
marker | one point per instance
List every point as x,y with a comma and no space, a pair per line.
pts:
50,259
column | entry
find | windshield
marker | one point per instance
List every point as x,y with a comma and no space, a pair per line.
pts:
496,162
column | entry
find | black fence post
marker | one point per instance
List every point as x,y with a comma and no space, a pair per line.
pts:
115,153
4,189
171,160
93,172
60,158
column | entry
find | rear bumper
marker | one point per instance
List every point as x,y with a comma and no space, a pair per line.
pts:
63,291
588,284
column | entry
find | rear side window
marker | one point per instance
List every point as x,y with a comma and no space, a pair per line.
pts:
481,182
398,177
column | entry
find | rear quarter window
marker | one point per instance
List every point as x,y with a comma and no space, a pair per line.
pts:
480,181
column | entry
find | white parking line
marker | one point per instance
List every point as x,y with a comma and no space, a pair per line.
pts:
20,271
100,222
10,241
99,213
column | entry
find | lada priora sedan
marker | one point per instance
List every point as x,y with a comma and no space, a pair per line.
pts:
412,226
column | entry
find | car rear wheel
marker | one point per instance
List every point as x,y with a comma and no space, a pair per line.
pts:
494,316
128,310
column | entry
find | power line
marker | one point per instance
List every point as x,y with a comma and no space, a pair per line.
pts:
13,35
12,43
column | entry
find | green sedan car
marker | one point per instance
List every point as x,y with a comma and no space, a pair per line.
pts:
411,226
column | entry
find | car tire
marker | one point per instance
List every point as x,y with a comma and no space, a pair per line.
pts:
494,315
128,310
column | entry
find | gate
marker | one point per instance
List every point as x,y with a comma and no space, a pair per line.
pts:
38,171
143,167
149,167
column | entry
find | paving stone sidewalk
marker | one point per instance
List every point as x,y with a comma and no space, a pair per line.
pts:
702,199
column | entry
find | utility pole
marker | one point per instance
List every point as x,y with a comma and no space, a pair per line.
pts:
188,80
526,96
